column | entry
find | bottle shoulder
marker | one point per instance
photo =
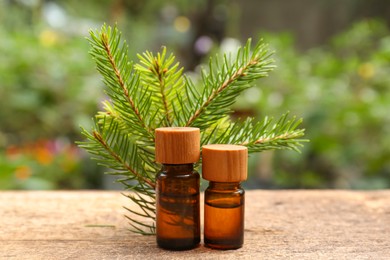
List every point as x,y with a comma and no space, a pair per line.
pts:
224,199
178,175
225,187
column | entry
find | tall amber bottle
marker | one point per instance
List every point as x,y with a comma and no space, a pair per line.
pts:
225,166
177,188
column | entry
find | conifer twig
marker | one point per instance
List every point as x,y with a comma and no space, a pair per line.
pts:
237,74
121,82
100,139
225,80
160,72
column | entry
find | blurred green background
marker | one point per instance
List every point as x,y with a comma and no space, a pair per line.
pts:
333,68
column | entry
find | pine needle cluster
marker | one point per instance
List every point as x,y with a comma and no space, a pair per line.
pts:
154,92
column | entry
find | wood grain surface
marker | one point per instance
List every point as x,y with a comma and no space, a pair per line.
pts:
279,225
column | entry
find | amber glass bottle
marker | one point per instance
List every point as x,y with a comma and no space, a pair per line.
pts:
177,188
225,166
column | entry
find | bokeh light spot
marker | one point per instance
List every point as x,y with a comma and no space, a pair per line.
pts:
182,24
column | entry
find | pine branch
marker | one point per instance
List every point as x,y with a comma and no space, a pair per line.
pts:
261,136
104,144
225,83
163,76
114,149
120,78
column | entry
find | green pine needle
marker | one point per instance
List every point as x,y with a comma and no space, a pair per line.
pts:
155,93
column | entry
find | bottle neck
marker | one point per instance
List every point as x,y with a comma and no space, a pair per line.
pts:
177,168
224,185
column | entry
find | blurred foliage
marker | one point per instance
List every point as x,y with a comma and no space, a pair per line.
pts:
48,83
46,164
48,87
342,91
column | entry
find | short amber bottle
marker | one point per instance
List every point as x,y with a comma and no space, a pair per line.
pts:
225,166
177,188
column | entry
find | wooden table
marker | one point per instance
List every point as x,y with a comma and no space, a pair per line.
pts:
279,225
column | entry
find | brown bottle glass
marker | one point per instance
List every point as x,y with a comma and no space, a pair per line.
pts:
224,215
225,166
178,220
177,188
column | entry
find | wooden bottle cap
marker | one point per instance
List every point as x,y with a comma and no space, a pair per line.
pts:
224,162
177,145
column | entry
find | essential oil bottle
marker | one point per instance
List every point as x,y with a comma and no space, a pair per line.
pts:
177,188
224,166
